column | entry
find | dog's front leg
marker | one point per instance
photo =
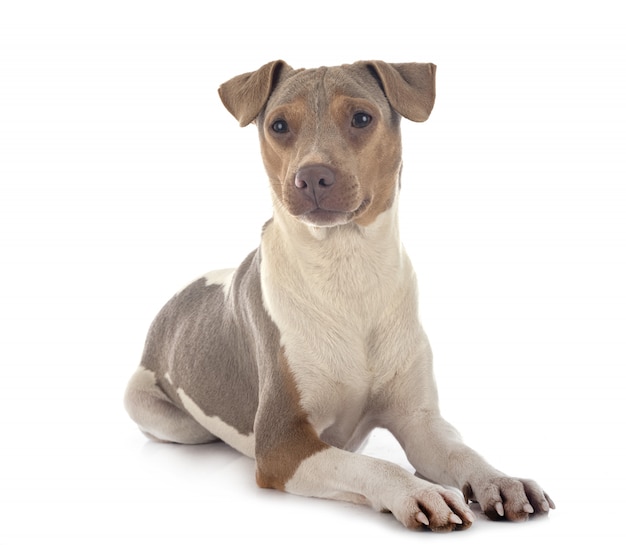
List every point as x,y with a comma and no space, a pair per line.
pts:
290,456
438,454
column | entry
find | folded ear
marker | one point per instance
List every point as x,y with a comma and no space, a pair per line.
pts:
245,96
410,87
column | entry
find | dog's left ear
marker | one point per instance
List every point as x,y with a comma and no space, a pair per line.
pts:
245,96
410,87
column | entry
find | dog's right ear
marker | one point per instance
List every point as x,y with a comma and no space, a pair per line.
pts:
245,96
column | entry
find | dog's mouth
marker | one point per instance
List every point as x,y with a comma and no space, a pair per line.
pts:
319,217
322,217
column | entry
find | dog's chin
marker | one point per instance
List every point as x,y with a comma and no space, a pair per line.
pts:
325,218
321,217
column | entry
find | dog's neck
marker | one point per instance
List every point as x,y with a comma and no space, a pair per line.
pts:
345,256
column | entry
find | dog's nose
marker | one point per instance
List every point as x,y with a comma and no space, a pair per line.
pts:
315,180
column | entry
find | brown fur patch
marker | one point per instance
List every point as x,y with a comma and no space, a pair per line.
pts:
277,150
286,437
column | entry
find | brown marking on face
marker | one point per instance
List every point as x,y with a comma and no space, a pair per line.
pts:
278,149
376,155
312,119
286,437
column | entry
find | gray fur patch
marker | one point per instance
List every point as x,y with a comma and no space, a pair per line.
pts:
207,342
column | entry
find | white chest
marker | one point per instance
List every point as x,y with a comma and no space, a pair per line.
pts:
344,306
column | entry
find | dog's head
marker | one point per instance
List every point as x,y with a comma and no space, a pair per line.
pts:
330,136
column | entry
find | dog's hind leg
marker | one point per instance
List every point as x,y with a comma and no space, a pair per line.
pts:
155,414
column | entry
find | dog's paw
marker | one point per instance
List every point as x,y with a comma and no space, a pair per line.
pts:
433,508
507,498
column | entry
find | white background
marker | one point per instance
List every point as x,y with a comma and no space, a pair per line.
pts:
122,177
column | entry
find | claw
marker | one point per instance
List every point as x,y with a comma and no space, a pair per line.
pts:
528,508
421,517
499,508
455,519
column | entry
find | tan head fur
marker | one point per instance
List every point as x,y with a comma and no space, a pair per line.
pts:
330,136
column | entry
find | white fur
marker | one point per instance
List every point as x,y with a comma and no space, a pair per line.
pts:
380,484
221,276
345,290
148,403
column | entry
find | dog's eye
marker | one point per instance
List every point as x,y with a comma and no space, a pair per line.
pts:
361,120
280,126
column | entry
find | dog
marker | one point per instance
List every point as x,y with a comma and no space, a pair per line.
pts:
294,357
